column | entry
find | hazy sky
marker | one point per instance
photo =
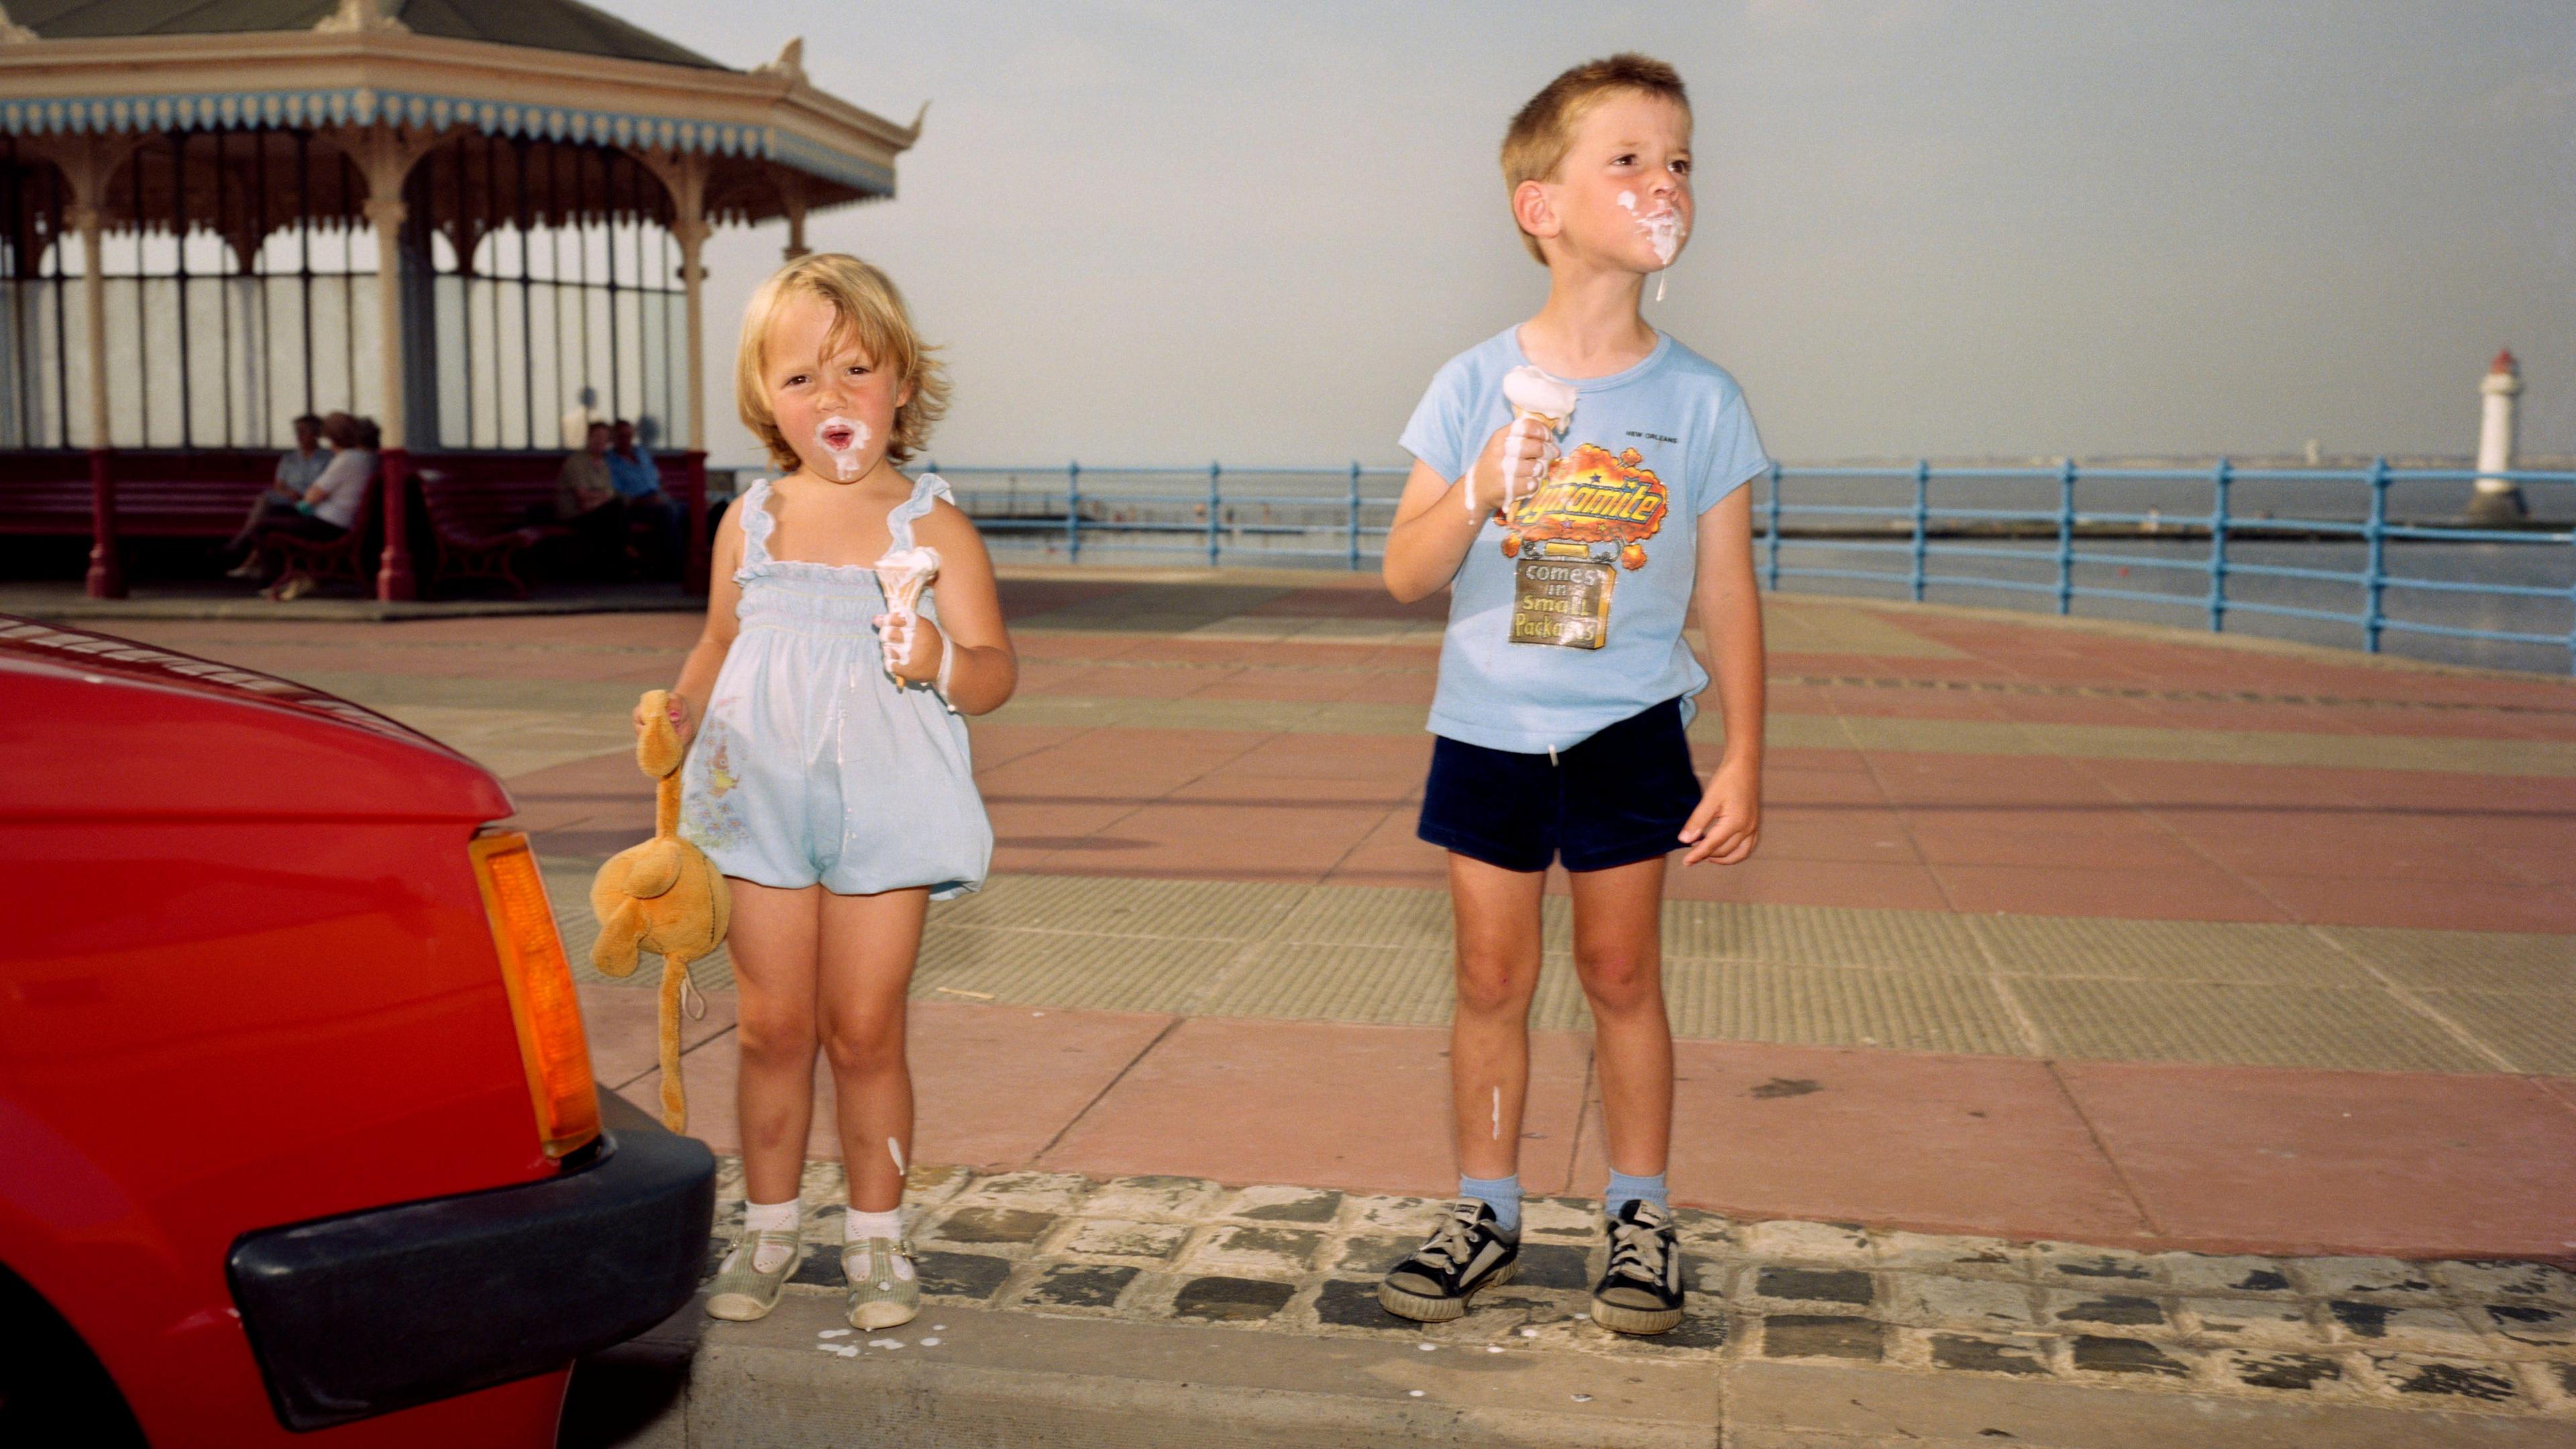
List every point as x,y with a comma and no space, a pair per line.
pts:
1156,232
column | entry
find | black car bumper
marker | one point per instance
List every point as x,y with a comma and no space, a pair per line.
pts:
383,1309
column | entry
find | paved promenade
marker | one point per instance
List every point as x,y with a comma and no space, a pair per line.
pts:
2060,933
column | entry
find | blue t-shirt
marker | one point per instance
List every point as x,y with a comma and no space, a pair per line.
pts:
1568,617
634,477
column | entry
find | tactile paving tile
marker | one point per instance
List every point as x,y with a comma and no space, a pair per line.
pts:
2284,1026
1119,906
1155,608
2536,1033
1838,1006
1053,968
1820,936
2466,960
1369,916
2166,950
1805,628
1338,981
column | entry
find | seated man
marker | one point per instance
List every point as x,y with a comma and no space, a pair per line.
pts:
586,498
639,484
296,472
328,509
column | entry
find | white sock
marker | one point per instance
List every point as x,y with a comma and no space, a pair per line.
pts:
772,1217
858,1227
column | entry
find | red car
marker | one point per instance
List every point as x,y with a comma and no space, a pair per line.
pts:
298,1140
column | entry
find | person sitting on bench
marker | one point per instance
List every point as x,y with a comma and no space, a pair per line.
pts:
329,509
297,470
587,500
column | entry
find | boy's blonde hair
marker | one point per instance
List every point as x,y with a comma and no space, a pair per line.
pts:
1536,143
866,308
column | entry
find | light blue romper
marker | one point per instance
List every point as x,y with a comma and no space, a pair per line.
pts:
814,764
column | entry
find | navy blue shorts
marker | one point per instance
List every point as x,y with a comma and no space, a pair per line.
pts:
1614,799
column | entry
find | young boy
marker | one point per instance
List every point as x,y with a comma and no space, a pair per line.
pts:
1565,684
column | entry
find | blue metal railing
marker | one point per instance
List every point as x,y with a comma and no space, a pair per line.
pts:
2051,540
2227,526
1217,514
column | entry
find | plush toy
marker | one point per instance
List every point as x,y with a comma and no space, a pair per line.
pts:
661,896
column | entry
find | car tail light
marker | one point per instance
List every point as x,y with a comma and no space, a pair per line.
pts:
542,1001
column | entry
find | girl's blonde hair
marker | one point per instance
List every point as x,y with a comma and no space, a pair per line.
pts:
866,308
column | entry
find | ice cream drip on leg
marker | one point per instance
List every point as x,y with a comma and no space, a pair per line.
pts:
842,438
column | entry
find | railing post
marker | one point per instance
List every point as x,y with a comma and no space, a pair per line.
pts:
1922,516
2218,480
2066,537
1215,495
1355,516
1073,512
1775,528
2375,574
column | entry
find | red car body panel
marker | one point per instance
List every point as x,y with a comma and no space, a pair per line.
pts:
247,980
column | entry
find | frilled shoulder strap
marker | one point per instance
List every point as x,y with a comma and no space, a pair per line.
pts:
925,489
757,523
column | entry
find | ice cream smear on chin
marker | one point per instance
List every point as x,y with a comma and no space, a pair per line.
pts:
904,574
1538,402
842,438
1664,231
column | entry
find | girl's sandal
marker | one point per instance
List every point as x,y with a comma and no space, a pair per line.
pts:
741,1292
884,1289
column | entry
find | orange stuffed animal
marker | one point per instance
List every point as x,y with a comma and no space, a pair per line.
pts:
662,896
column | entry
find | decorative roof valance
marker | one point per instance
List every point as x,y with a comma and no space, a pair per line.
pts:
159,83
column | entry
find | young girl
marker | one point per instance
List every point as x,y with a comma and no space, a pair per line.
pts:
828,775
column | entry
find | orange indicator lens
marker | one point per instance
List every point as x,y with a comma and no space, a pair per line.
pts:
542,1002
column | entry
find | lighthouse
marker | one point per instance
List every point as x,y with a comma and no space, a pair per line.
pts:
2497,500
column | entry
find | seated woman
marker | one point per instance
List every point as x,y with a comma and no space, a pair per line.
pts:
328,510
296,472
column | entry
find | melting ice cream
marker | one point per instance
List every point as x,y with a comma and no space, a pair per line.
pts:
904,575
1541,407
842,438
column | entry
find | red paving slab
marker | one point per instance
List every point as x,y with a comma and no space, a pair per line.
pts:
1364,1108
2160,1156
1939,1144
2275,1160
991,1085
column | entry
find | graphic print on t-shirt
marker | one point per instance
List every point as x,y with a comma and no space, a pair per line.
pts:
1596,509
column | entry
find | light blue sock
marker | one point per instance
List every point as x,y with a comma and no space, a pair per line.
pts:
1624,1190
1503,1194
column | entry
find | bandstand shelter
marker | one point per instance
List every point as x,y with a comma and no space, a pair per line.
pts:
475,221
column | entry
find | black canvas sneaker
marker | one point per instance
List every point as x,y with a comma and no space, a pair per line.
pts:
1641,1291
1470,1252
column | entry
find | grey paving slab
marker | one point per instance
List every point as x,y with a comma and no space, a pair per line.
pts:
2285,1026
1821,936
2536,1031
1838,1006
2467,960
2074,946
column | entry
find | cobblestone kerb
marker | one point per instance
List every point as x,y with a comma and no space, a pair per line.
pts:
2496,1337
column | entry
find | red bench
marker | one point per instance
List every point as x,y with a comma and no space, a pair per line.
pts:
485,511
159,493
478,516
